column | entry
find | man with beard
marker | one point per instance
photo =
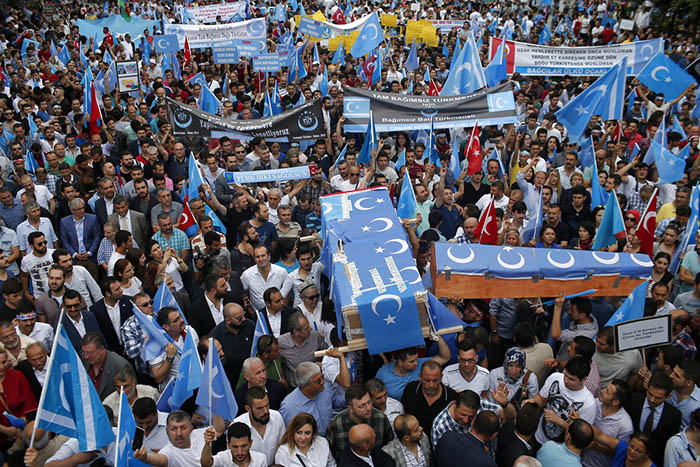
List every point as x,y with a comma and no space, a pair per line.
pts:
239,451
208,311
36,265
28,326
48,306
235,332
144,201
184,446
77,277
266,425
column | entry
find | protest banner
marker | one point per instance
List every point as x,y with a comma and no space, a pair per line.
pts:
401,112
274,175
447,24
218,35
266,63
208,13
533,59
330,29
128,75
247,48
301,123
644,332
223,55
286,54
313,28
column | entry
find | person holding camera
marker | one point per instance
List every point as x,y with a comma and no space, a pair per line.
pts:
203,259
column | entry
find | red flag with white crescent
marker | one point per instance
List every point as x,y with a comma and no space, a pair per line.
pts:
647,225
473,151
187,54
487,228
186,222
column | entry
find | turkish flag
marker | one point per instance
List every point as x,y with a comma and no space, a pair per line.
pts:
617,133
647,225
368,69
338,17
473,152
187,55
434,89
95,114
186,222
487,228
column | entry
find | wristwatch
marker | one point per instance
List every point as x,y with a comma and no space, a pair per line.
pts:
169,359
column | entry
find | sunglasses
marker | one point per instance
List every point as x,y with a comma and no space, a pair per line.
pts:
41,243
631,219
149,302
354,174
313,297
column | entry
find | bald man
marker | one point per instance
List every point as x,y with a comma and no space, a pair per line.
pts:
362,450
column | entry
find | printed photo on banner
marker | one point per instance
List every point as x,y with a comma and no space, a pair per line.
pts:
128,75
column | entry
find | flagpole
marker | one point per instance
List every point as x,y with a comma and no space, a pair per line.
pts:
119,425
45,387
619,209
210,357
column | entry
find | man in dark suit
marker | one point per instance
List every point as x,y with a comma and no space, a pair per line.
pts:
34,365
145,200
256,376
77,323
665,419
208,311
81,235
362,445
99,361
276,313
472,445
104,206
112,307
517,439
133,221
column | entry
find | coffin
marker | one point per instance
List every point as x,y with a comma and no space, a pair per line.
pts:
465,271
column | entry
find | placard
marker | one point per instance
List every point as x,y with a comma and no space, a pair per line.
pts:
627,24
644,332
389,20
266,63
128,75
225,55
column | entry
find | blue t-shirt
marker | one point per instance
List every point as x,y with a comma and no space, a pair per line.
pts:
267,234
450,219
620,455
394,383
289,269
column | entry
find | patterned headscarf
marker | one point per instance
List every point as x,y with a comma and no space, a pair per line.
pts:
513,355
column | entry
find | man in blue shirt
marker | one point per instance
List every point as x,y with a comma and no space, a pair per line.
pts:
11,211
568,453
686,395
267,234
406,368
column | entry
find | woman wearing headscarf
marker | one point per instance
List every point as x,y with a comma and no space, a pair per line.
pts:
521,383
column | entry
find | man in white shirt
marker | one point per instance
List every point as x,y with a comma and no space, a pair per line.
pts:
466,374
266,426
146,417
184,446
238,453
122,242
166,364
342,175
78,278
36,265
257,279
381,401
42,194
28,326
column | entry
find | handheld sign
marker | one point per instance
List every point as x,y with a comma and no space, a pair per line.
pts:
644,332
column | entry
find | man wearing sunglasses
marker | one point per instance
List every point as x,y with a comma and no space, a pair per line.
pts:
36,265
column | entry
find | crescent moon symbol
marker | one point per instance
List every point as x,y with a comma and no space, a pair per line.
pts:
403,245
559,265
358,205
649,215
160,43
378,299
655,70
647,263
387,223
517,265
185,124
613,260
327,208
465,66
455,259
185,218
498,103
645,46
350,108
375,32
415,269
213,393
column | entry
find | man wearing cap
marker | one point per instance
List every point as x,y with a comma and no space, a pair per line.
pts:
633,183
